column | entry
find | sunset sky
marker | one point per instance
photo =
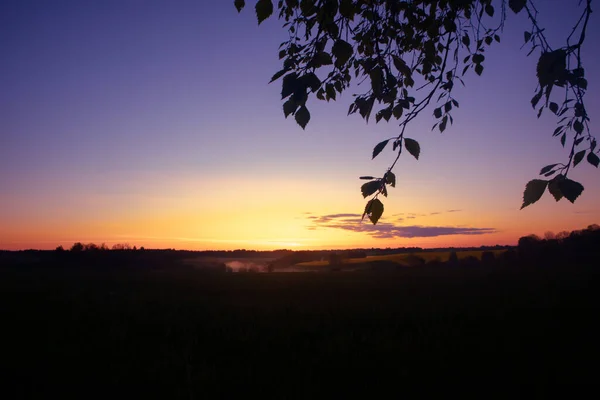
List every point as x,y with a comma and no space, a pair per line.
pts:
153,123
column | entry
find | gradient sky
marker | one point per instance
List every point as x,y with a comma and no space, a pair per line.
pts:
152,123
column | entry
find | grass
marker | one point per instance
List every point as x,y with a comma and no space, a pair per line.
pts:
402,258
184,334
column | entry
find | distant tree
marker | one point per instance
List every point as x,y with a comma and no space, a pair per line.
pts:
121,246
562,235
488,257
453,258
549,235
412,54
91,247
77,247
59,249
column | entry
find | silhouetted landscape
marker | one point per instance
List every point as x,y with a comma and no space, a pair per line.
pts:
493,322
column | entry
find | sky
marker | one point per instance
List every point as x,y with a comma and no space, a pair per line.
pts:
153,123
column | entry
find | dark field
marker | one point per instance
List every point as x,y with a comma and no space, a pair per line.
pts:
489,332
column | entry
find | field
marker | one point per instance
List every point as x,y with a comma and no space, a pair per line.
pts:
403,258
183,334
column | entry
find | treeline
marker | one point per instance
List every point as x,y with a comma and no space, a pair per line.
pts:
579,247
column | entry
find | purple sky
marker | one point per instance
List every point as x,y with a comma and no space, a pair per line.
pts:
149,114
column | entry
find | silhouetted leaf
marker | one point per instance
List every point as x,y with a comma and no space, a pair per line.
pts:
312,81
489,9
547,168
535,99
289,107
554,188
390,178
342,51
437,112
278,75
374,209
413,147
526,36
479,69
516,5
367,177
264,9
302,116
553,107
289,85
533,191
570,189
347,9
578,157
551,66
578,126
563,138
478,58
369,188
380,146
397,111
593,159
239,4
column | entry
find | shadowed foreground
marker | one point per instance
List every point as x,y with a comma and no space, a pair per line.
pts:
184,334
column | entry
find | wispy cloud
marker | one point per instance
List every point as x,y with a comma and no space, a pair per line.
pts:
390,230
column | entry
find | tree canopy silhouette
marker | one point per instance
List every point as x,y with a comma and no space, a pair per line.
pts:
412,54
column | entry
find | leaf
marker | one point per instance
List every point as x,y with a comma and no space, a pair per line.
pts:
578,126
554,189
547,168
478,69
578,157
302,116
367,177
390,178
312,81
278,75
593,159
570,189
289,107
342,51
535,99
239,4
489,9
413,147
369,188
533,191
380,146
397,111
401,65
374,209
478,58
553,107
437,112
516,5
526,36
551,67
563,138
264,9
289,85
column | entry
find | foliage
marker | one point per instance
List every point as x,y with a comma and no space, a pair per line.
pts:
411,54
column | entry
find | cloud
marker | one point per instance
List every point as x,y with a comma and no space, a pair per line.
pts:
390,230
